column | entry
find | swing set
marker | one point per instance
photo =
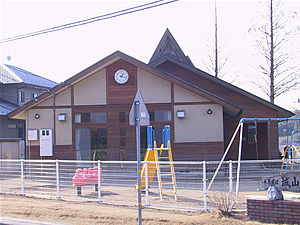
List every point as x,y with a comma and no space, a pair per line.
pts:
290,150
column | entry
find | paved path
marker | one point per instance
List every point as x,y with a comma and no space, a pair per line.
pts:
13,221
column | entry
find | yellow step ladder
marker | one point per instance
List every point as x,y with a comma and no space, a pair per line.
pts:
289,156
165,171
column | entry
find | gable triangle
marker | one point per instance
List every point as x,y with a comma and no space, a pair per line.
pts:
169,46
168,49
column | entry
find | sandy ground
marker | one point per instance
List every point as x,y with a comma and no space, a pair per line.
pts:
74,212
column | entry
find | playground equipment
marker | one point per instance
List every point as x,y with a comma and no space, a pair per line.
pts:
86,176
240,128
290,152
163,162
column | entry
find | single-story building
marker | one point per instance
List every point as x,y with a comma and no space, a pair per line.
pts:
87,116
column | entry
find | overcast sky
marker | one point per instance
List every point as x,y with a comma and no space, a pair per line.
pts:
62,54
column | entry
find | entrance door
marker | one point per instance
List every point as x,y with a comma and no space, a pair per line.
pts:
255,141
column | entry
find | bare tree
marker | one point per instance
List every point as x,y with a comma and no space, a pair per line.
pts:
274,42
218,62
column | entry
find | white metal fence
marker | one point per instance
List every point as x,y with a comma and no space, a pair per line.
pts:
53,179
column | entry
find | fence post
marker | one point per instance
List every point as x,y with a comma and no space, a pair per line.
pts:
147,184
204,186
22,176
57,178
99,182
230,184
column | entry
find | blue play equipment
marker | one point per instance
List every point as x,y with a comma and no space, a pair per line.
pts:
163,163
166,136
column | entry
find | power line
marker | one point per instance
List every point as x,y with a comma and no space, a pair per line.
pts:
90,20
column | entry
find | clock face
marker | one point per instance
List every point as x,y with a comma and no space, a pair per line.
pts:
121,76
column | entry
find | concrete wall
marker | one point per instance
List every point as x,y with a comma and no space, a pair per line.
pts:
91,91
198,126
153,88
183,95
63,128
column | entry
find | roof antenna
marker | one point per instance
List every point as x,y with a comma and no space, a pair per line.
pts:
8,57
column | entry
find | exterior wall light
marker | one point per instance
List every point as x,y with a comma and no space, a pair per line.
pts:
62,117
37,116
180,113
209,111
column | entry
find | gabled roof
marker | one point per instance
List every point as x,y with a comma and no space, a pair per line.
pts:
157,59
167,50
12,74
6,107
169,46
228,106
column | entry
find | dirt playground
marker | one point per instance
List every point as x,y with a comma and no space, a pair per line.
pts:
74,212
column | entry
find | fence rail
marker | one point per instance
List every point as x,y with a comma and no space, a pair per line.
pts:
53,179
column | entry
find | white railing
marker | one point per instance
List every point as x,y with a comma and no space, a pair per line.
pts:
53,179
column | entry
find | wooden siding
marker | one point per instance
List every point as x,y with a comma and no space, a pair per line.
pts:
209,151
121,93
120,99
63,152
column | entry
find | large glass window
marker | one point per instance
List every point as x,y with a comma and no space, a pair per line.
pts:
99,138
83,144
91,144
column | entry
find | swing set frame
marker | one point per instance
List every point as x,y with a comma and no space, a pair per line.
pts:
240,127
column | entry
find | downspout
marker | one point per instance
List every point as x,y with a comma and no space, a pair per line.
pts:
54,124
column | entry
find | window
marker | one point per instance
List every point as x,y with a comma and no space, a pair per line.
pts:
91,144
99,155
96,117
161,116
77,118
99,138
152,117
122,154
33,96
85,117
122,137
251,133
82,144
122,117
22,96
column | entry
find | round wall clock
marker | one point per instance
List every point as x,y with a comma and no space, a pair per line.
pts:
121,76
